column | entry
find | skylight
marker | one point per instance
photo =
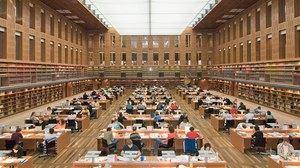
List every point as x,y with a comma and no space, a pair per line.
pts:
149,17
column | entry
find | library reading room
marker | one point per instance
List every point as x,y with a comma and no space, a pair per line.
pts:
149,83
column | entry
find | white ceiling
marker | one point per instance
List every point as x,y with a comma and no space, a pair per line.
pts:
149,17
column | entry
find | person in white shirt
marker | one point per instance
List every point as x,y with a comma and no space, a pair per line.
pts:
285,148
241,126
248,116
226,116
49,135
184,124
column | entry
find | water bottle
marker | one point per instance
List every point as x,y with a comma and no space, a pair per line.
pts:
142,157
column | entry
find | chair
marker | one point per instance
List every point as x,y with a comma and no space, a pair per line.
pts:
169,146
49,144
72,125
109,148
138,143
9,144
209,111
271,120
190,146
259,146
139,121
229,124
52,121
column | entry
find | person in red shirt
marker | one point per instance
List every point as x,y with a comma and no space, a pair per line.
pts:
233,110
192,134
173,106
17,136
172,134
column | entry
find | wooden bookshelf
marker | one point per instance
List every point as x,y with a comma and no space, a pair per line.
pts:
136,83
219,85
13,102
81,86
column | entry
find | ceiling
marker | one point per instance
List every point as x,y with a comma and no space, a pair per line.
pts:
149,17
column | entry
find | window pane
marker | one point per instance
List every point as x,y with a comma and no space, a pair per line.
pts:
133,42
145,42
166,42
155,42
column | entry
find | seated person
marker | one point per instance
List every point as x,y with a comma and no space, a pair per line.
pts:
85,96
68,103
233,110
96,103
269,115
91,110
285,149
41,123
33,118
49,135
258,137
140,106
135,135
129,101
184,124
48,111
17,136
121,118
117,124
226,101
157,141
77,106
182,117
129,108
242,106
226,116
157,116
241,126
61,124
130,147
257,110
206,147
248,116
200,102
109,137
17,151
85,112
192,134
173,106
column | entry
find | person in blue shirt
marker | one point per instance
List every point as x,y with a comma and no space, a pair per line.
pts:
130,147
129,108
85,96
117,125
157,117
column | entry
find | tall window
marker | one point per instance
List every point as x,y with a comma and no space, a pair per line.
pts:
282,10
123,62
145,42
80,38
199,40
241,27
134,58
59,53
102,58
187,40
155,42
72,55
112,58
31,15
3,8
113,39
31,48
297,41
229,55
234,30
269,14
123,41
59,28
248,24
2,42
19,11
101,41
66,55
52,25
145,58
66,32
199,58
188,58
269,47
18,45
241,52
210,40
220,35
176,41
224,35
52,51
249,51
282,44
155,58
177,58
234,54
81,55
76,34
166,58
133,42
228,33
257,20
43,50
257,50
43,21
224,56
76,53
297,7
72,34
166,42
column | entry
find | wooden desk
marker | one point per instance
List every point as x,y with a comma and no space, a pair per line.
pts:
149,141
218,122
194,104
148,121
272,163
98,111
151,161
243,143
105,104
30,142
27,164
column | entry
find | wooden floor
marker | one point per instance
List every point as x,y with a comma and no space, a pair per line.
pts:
84,141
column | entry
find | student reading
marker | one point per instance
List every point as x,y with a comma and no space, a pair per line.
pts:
130,147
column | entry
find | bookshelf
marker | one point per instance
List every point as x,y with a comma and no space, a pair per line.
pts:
219,85
81,86
13,102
